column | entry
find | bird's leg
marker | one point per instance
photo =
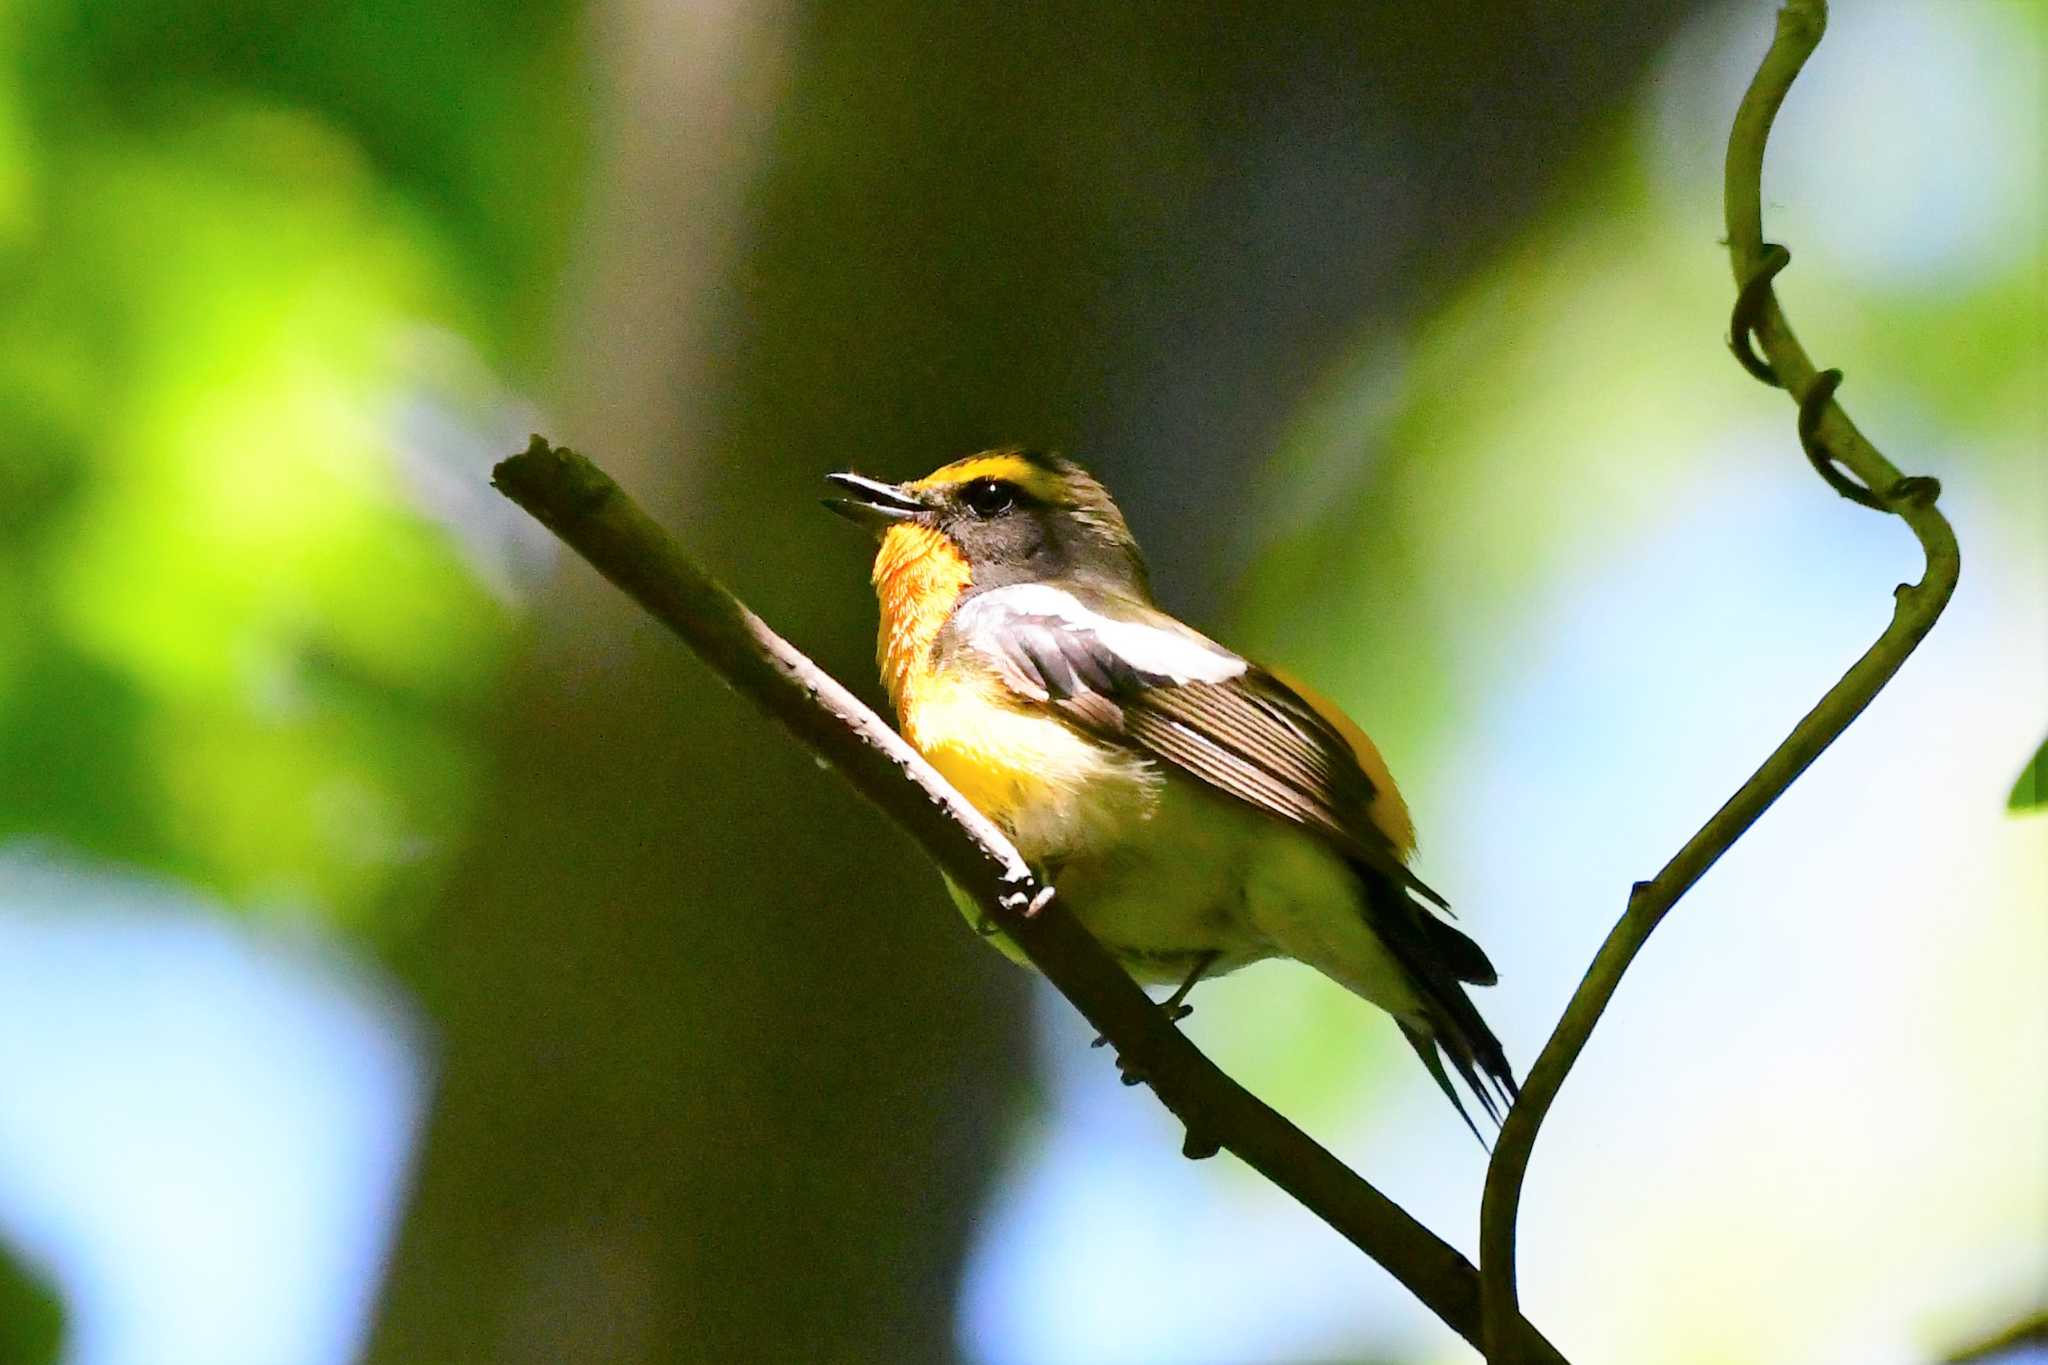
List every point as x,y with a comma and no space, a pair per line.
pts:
1175,1010
1173,1007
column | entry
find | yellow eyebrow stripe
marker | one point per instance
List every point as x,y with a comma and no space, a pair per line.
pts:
1015,469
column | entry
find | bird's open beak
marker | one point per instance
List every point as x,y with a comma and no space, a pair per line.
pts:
874,504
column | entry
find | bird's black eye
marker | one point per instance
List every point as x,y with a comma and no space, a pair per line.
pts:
988,497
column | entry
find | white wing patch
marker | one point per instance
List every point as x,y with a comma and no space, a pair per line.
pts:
1173,652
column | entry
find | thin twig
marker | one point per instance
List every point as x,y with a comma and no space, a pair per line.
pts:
2010,1340
590,513
1828,432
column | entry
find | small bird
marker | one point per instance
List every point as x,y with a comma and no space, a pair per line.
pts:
1196,811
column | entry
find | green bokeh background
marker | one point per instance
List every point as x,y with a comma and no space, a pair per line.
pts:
1388,323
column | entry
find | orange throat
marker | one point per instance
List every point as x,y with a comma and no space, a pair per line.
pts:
919,575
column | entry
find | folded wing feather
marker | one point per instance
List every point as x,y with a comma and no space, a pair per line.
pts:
1125,671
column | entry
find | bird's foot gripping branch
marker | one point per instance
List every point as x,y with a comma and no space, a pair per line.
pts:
595,518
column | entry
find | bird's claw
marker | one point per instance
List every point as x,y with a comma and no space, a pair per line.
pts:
1174,1012
1019,904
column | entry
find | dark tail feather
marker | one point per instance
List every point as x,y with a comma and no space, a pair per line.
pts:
1456,1031
1466,959
1462,1036
1438,959
1424,1043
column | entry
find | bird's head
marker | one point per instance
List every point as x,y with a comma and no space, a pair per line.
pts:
997,518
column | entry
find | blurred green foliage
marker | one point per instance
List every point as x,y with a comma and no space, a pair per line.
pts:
31,1319
232,649
239,240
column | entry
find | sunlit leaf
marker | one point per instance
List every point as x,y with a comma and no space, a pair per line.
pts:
2032,788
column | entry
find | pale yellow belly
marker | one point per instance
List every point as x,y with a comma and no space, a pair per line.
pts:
1174,886
1154,865
1160,868
1201,874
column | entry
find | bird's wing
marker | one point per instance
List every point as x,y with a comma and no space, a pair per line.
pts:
1127,672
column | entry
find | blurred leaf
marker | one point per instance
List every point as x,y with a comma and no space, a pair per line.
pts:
31,1318
233,644
73,764
2032,788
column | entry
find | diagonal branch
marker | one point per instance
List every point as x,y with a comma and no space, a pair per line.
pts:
1830,440
590,513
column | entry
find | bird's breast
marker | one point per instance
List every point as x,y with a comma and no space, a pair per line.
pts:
1054,790
1179,887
